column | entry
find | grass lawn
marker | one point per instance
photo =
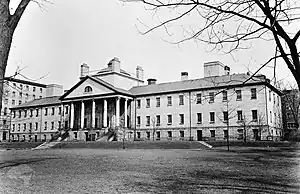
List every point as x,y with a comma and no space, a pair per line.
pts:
244,170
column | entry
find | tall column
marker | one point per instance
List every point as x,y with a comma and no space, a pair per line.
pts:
82,115
105,113
117,112
72,115
93,113
125,114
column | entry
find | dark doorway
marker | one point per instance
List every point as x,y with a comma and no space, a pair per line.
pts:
87,136
256,135
4,135
199,135
35,138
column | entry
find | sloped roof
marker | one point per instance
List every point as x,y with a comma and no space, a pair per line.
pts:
39,102
200,84
100,81
24,82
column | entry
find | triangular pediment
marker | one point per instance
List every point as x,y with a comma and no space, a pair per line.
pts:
97,88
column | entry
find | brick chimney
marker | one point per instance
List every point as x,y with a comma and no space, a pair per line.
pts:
184,76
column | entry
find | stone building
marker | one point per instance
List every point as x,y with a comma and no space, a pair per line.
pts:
16,92
189,109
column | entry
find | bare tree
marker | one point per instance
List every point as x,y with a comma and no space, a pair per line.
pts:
154,125
230,26
8,23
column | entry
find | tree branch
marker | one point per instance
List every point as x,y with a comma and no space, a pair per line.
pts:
15,18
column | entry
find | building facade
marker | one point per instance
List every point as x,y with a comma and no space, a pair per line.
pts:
16,92
221,104
290,114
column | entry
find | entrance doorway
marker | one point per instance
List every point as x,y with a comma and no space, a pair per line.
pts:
199,135
86,136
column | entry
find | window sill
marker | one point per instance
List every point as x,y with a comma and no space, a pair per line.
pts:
238,99
199,123
169,105
181,123
211,122
169,124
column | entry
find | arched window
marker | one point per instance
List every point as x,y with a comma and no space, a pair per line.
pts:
88,89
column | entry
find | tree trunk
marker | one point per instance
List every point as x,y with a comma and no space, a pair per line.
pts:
6,34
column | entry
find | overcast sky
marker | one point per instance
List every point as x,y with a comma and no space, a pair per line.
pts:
67,33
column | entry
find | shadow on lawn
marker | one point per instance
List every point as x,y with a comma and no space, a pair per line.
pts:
208,182
13,163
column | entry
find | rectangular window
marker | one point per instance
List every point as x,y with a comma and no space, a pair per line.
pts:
30,126
240,115
225,116
36,126
138,135
31,112
169,100
138,104
157,120
24,129
138,120
199,118
253,93
158,135
212,133
13,94
169,119
25,113
271,117
46,125
21,86
224,92
20,102
20,113
53,110
67,110
59,124
33,96
66,124
52,125
225,134
59,110
238,94
211,97
148,103
158,102
181,117
13,127
19,127
5,101
37,112
13,102
181,101
41,90
212,117
198,99
46,111
169,134
181,134
20,94
254,115
148,135
274,98
33,89
147,120
270,96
